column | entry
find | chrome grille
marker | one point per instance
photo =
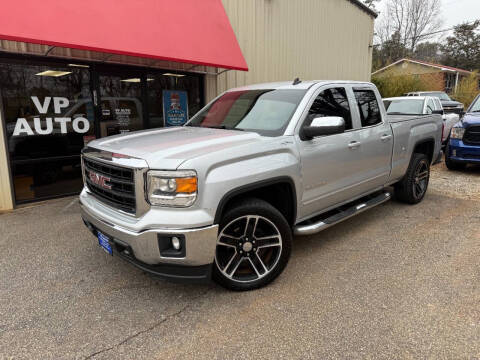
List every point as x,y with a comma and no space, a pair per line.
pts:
119,188
472,135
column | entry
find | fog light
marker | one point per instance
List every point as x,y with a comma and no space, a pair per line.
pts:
176,243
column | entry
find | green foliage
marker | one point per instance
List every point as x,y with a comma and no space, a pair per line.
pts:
462,50
467,89
399,85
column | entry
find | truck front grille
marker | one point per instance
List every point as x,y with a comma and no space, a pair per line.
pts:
472,135
112,184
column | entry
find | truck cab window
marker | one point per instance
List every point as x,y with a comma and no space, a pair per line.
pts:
331,102
430,106
368,107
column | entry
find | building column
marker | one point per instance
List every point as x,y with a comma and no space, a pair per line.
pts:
6,199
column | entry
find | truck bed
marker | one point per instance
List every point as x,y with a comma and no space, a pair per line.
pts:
408,131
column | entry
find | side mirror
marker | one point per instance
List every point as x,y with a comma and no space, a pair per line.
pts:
438,112
327,125
462,113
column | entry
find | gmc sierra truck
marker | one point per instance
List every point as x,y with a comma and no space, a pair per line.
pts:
223,196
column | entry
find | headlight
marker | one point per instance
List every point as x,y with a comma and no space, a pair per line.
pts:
172,188
457,133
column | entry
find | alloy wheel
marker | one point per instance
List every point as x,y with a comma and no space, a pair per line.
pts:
248,248
420,182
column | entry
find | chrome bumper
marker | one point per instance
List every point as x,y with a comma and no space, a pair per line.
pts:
199,243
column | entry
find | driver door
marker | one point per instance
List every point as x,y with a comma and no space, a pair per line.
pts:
330,163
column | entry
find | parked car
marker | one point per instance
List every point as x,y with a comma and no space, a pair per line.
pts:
448,104
418,105
464,142
223,195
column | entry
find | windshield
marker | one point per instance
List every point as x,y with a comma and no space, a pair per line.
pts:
266,112
475,107
440,95
408,107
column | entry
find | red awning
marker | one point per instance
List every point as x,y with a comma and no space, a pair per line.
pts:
187,31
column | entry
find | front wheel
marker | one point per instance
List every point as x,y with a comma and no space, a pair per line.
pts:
413,187
451,164
253,246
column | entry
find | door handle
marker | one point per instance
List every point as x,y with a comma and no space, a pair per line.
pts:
385,137
354,145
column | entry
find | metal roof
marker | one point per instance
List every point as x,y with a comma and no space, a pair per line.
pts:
364,7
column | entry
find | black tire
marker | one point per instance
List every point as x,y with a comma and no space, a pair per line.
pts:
253,246
412,188
451,164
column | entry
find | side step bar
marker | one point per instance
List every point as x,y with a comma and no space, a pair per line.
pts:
353,209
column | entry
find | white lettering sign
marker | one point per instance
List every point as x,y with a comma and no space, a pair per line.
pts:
38,126
81,120
42,109
59,103
22,127
80,124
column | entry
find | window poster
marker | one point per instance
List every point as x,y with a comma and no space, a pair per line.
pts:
175,107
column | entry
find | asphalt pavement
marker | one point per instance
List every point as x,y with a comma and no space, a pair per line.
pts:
396,282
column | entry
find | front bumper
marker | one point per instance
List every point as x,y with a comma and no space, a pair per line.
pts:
460,152
144,248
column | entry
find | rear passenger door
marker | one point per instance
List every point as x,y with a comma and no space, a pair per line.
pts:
375,139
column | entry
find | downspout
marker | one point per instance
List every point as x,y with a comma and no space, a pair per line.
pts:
456,82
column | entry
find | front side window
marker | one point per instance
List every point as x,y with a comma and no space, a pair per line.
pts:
475,107
331,102
266,111
368,107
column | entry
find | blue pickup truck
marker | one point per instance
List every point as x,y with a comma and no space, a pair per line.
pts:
464,142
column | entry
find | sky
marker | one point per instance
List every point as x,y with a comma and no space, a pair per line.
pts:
454,12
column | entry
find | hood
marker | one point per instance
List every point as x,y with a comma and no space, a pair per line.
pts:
471,119
450,103
167,148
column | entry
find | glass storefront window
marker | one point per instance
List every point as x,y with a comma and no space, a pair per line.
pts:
48,118
158,83
49,115
121,104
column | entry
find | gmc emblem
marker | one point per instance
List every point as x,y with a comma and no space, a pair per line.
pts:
99,180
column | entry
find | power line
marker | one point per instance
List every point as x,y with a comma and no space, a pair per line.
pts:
435,32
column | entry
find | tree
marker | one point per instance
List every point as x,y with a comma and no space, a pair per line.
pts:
428,51
371,4
467,89
412,20
462,50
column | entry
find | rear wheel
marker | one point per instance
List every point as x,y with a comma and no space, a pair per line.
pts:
413,187
253,246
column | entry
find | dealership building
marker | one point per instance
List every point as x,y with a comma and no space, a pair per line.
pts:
75,71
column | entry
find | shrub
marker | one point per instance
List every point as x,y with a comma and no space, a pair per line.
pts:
399,85
467,89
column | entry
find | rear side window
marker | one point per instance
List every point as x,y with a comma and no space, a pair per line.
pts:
368,107
331,102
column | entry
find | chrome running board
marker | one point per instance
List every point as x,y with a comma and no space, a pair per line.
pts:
344,212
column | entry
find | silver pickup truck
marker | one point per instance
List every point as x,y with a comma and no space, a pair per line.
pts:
223,196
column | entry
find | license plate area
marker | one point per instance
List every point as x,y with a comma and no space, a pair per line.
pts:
103,241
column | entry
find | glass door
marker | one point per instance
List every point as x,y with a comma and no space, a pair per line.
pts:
121,105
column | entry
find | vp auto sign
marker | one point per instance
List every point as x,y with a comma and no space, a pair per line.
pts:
80,124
